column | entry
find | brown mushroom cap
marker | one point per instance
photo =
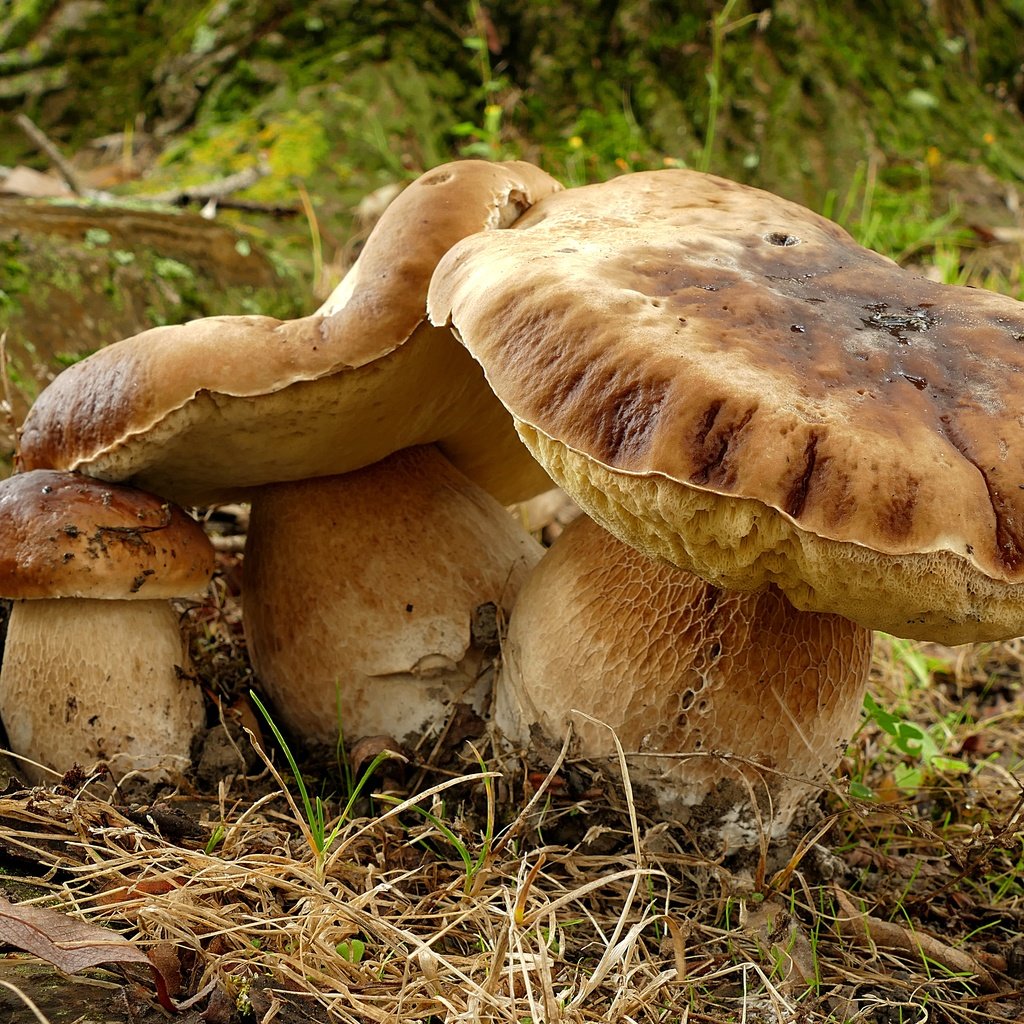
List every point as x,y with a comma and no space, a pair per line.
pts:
63,535
726,380
682,671
203,411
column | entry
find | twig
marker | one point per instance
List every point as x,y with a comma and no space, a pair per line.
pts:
36,1012
67,172
216,190
867,930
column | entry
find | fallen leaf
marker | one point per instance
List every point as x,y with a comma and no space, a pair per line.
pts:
782,939
71,945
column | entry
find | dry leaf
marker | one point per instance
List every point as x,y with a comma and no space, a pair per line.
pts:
24,181
780,936
71,945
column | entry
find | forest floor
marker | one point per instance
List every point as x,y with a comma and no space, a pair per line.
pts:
464,884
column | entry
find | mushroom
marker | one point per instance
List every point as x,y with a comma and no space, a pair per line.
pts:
212,410
94,666
219,408
379,636
729,383
722,698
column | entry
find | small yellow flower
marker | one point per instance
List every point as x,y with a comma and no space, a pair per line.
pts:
933,156
492,110
671,161
988,138
575,142
621,164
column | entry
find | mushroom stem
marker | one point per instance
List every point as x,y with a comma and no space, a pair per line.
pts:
87,680
714,694
360,591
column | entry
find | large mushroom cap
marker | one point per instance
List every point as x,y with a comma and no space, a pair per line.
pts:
206,410
726,380
63,535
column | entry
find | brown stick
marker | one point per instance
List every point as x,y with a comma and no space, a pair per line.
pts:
866,930
35,133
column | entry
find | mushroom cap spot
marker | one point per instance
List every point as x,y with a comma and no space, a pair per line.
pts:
684,342
201,411
64,535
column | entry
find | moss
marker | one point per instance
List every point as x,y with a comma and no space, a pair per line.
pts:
75,279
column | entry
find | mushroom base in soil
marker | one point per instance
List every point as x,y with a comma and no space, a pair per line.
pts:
95,668
360,593
714,695
142,721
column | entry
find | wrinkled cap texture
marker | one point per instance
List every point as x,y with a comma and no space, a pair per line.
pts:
202,411
63,535
728,381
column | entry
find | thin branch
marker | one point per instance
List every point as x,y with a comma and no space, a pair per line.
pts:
67,172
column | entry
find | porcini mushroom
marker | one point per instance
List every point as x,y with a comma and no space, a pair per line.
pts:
218,408
214,409
727,382
94,666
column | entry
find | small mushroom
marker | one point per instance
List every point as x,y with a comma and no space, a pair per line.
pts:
378,640
727,382
717,696
94,667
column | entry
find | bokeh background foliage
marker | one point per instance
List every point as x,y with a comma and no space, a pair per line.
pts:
345,93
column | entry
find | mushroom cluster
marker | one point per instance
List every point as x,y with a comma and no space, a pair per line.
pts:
289,416
789,441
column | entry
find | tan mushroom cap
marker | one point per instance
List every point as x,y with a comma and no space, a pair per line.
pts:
63,535
726,380
205,410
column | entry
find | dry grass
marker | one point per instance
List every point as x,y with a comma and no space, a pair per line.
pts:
903,907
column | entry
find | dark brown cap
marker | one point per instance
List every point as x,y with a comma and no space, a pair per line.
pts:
63,535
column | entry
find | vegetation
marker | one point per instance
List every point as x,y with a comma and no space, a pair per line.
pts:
474,887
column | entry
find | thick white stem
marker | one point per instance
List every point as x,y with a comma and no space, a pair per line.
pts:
683,672
360,591
91,680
